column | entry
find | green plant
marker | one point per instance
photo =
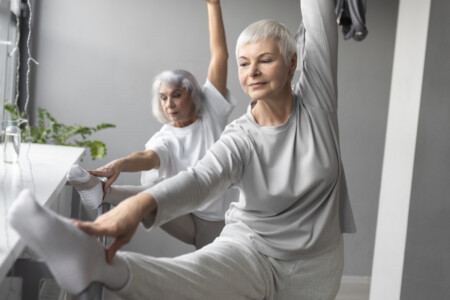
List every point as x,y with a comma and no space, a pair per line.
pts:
48,130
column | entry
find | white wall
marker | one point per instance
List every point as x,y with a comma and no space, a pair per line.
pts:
97,60
364,85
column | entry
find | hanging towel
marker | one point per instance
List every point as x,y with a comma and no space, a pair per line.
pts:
351,15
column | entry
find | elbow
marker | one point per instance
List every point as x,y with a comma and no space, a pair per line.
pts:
220,57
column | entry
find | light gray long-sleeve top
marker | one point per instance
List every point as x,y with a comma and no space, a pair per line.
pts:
294,200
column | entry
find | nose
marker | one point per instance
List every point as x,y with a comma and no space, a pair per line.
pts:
254,70
169,102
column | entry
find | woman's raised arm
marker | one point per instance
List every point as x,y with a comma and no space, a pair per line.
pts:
217,71
318,53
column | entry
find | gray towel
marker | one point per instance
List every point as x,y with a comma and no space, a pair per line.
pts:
351,15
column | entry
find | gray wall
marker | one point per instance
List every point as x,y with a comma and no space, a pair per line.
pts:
427,256
364,87
97,60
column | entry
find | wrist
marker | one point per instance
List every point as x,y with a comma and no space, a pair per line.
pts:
214,3
146,203
120,164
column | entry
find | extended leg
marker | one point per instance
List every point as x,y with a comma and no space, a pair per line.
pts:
206,231
220,271
74,258
118,193
91,190
181,228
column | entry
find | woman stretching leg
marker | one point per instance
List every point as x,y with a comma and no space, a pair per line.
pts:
283,239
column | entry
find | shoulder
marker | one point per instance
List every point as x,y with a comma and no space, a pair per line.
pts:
209,89
235,146
240,124
241,131
215,102
160,137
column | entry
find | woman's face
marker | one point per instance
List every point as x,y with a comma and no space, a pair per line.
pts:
177,104
263,72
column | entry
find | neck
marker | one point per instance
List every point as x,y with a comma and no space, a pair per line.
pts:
184,123
274,111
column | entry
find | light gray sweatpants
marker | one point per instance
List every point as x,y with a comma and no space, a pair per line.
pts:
188,228
194,230
225,270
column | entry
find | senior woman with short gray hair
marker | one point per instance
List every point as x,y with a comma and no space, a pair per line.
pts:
283,238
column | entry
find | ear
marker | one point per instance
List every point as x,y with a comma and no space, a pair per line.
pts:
293,64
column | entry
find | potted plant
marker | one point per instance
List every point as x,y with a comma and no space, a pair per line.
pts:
50,131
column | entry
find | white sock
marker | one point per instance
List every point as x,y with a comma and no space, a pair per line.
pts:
89,187
75,258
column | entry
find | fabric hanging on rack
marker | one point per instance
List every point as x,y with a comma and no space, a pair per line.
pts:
352,17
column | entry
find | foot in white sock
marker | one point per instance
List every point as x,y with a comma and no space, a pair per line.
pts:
75,258
89,187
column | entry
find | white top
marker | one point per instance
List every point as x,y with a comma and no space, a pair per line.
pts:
294,201
180,148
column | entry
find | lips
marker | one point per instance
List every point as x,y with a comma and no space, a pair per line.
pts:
257,84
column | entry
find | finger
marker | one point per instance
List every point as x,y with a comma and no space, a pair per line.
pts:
113,248
87,228
96,229
109,183
104,187
98,173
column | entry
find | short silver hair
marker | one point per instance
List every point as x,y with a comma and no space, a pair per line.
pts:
268,29
181,79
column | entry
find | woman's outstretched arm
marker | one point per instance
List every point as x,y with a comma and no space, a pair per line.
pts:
217,71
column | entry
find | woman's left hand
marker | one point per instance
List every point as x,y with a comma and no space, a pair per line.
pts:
120,223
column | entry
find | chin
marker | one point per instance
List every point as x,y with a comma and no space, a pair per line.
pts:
258,96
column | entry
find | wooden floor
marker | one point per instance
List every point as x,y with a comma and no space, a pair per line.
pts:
354,288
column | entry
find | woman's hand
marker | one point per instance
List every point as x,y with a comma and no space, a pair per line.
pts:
213,1
121,222
111,171
135,162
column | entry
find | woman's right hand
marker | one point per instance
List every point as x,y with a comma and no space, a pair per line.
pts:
111,171
120,222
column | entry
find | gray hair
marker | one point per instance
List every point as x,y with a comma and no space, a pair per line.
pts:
268,29
181,79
